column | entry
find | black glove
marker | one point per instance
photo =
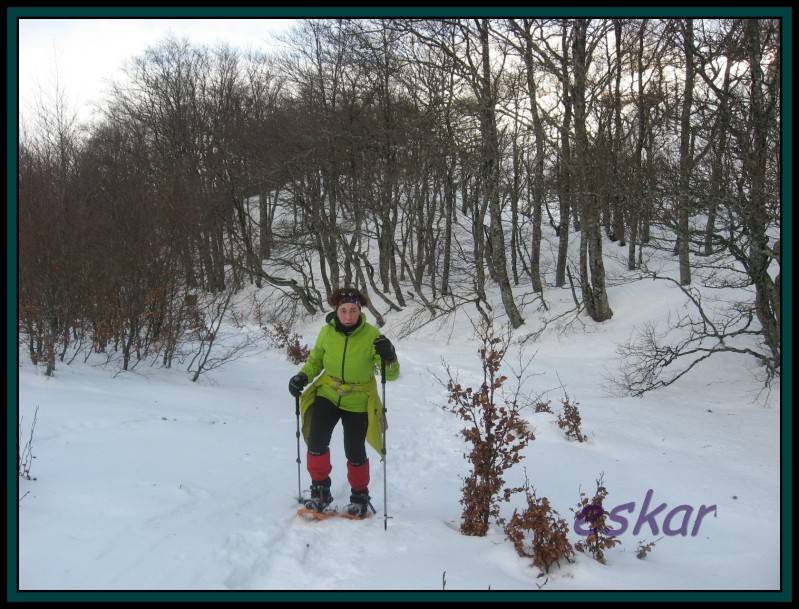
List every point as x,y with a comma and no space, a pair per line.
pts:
385,349
297,384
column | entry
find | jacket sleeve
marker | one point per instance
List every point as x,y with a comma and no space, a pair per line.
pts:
314,364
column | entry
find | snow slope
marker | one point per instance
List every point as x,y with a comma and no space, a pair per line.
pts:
147,481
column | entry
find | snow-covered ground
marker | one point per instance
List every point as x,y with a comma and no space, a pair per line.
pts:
145,480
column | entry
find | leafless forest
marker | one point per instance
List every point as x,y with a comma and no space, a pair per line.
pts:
416,159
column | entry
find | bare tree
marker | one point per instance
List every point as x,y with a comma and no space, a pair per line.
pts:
686,162
48,177
212,313
466,43
594,292
759,39
522,29
384,151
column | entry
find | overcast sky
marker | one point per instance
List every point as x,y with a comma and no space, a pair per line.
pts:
87,54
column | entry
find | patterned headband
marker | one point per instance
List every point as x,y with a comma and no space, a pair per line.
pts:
349,298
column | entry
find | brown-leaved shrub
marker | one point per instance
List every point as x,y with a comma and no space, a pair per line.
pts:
495,430
591,516
539,533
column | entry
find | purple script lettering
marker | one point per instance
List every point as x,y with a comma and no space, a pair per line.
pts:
621,520
649,519
703,511
683,530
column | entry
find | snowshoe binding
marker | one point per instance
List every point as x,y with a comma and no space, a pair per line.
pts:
358,506
316,508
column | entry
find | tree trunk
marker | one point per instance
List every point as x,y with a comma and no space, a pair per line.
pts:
265,241
323,266
619,191
717,186
594,294
684,202
478,213
565,174
449,210
50,340
488,127
755,212
514,210
538,171
636,202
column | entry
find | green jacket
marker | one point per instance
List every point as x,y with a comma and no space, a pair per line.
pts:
349,363
349,359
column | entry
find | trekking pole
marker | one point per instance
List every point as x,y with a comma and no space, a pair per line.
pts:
297,412
385,424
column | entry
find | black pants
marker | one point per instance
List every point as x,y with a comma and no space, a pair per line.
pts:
324,416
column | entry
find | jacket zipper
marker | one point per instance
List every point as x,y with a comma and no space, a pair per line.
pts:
343,359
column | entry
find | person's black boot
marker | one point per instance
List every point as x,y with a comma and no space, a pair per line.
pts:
359,504
320,496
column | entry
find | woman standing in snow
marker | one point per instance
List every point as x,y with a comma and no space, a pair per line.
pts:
348,350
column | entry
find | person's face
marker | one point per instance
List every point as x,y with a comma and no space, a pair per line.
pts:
348,313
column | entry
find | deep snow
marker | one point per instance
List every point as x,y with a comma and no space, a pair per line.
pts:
145,480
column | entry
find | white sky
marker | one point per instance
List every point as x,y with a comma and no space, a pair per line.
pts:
87,54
